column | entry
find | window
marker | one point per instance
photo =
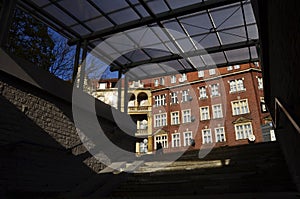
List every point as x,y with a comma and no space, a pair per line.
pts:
186,116
185,95
162,81
236,85
176,140
183,77
200,73
237,66
214,90
163,139
242,131
256,64
204,113
240,107
260,83
174,99
217,111
188,138
206,136
202,91
263,105
229,68
174,118
220,134
212,71
173,79
160,120
156,82
160,100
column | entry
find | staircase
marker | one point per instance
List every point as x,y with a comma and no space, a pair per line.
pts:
248,171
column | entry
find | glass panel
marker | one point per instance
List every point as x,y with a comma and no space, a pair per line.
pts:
82,10
252,32
59,15
185,45
228,17
137,55
157,6
249,13
253,52
110,5
175,29
218,58
144,37
124,16
40,2
197,61
238,54
207,41
157,52
208,60
99,24
142,10
180,3
81,30
197,24
233,35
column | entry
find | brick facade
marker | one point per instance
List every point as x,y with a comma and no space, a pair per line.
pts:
248,73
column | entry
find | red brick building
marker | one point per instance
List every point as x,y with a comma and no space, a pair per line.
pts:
216,107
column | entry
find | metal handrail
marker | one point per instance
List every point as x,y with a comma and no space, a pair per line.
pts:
278,105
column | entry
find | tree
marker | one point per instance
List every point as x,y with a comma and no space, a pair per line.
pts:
29,39
63,65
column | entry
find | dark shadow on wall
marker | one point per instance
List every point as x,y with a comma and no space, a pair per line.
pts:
32,162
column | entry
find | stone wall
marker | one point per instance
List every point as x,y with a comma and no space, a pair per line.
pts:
40,149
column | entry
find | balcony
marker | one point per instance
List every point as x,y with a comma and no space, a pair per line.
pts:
139,109
142,132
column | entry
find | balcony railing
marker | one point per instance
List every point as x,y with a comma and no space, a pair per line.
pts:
139,108
142,132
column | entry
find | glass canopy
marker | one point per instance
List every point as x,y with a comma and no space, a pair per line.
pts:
184,35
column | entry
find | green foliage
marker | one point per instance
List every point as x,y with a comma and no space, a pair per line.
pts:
29,39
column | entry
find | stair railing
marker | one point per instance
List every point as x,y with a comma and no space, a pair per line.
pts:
279,106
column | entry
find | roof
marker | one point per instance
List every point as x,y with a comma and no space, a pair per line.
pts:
159,36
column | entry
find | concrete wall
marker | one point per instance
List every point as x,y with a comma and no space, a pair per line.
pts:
40,149
280,53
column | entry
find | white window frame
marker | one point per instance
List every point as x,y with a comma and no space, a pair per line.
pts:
187,138
240,107
207,136
243,130
237,66
204,115
203,92
175,118
186,116
212,71
173,79
220,132
201,73
184,77
160,120
160,100
163,139
185,96
260,83
156,82
229,68
236,85
162,81
174,98
176,141
217,111
214,90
